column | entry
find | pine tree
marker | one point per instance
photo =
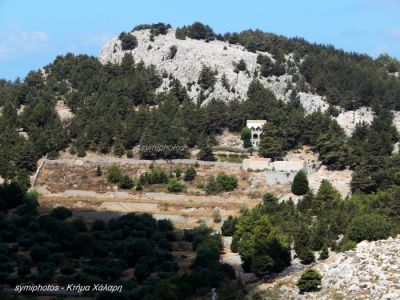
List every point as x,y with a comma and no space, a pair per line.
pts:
300,183
362,180
119,149
245,136
324,254
190,174
309,281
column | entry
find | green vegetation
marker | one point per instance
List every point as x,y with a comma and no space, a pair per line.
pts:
263,247
314,224
245,136
190,174
114,174
175,186
232,157
229,226
207,78
128,41
223,183
300,183
155,176
98,172
309,281
197,31
240,66
227,182
58,248
172,52
155,29
116,108
368,227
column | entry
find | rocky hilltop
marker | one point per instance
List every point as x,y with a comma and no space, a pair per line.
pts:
371,271
222,57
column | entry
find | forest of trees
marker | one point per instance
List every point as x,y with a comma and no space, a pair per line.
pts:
263,235
55,247
116,108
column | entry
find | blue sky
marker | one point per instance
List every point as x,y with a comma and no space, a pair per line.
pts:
33,33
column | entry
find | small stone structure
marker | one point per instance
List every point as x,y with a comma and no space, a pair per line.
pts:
255,127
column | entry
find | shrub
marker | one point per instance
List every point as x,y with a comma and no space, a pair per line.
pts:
309,281
206,153
98,225
306,256
119,150
80,152
172,52
141,272
175,186
178,171
216,215
245,135
128,41
227,182
129,153
126,182
98,171
229,226
324,254
67,269
190,174
240,66
156,176
347,245
196,31
300,183
24,270
207,78
52,154
39,253
61,213
114,174
368,227
212,186
155,28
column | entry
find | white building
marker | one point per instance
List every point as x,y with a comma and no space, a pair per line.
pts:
255,127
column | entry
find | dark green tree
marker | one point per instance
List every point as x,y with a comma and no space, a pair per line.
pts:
300,183
309,281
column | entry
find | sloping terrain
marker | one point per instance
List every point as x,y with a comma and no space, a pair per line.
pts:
222,57
371,271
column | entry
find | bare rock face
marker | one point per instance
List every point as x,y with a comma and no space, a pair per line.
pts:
371,271
221,57
349,119
188,61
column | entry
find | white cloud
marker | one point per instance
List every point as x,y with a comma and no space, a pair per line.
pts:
15,41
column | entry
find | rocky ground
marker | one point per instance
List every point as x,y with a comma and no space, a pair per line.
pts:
371,271
221,56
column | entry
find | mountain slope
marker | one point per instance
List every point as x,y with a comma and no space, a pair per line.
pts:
222,57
